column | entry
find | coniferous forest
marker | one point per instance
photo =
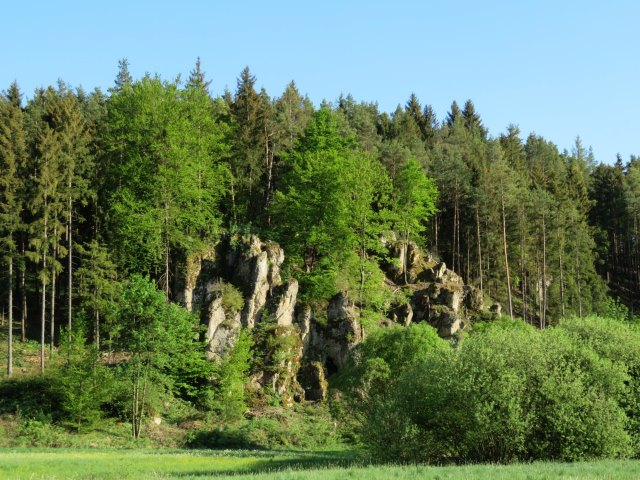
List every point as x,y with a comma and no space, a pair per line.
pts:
115,206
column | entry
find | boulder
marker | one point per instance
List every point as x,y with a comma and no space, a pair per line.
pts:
402,314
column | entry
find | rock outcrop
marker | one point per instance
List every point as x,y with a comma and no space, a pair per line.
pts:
305,345
438,294
256,269
313,380
285,298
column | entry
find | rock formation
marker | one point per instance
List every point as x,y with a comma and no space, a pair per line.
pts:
306,345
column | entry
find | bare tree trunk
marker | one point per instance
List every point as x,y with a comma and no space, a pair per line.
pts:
96,332
268,157
70,269
10,333
233,203
579,287
539,289
479,249
43,286
506,254
52,323
458,237
436,233
467,267
560,248
544,272
23,294
522,270
453,245
166,251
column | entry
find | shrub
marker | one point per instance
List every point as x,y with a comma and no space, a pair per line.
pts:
505,393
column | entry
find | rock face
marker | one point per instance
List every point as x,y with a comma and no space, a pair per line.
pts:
301,346
342,333
222,327
256,268
439,295
312,378
442,299
280,365
286,297
250,265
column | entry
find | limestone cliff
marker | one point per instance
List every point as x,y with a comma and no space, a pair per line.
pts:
306,345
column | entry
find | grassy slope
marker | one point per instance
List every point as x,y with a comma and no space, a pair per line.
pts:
129,464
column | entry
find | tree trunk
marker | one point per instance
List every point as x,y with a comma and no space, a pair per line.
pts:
506,254
166,251
453,243
23,294
523,274
560,248
10,332
268,157
479,249
43,286
70,269
52,324
544,273
436,233
96,334
579,287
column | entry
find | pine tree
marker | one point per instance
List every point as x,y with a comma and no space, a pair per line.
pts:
123,79
472,120
45,202
197,78
454,114
12,158
250,113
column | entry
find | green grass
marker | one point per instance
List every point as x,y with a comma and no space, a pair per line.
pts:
207,464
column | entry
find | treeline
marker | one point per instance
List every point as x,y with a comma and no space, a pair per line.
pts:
96,187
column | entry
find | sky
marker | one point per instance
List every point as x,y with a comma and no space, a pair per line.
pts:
560,68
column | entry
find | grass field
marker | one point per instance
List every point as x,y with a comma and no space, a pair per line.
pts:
131,464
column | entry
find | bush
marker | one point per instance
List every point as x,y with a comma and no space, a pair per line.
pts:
619,342
84,384
36,397
505,393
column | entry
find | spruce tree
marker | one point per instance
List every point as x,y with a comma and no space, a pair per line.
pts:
12,158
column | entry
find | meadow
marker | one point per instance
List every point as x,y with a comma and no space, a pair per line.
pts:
53,464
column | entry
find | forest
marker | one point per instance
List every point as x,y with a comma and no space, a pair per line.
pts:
111,204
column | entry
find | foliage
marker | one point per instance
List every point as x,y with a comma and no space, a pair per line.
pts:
83,381
300,428
230,394
159,338
503,394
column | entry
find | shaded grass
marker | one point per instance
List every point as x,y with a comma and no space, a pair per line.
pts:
208,464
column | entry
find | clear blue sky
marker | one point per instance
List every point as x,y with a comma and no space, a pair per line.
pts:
559,68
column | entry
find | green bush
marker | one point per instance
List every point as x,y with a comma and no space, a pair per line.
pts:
35,396
84,383
506,392
619,342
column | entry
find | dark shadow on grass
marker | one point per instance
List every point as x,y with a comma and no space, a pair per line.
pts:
302,461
